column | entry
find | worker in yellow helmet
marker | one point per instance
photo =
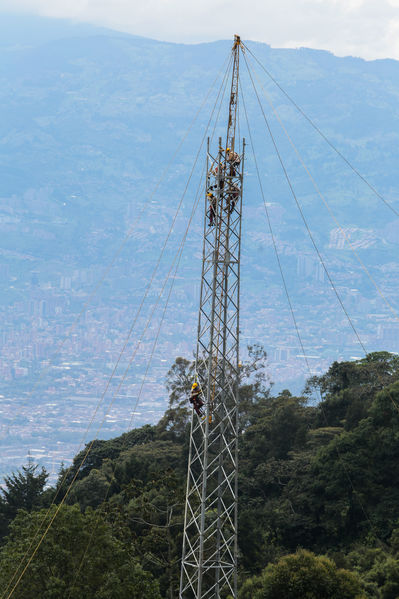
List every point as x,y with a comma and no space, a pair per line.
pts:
196,400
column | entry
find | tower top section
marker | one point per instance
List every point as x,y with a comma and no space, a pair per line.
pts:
232,120
237,41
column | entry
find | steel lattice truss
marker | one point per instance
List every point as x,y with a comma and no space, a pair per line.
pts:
209,561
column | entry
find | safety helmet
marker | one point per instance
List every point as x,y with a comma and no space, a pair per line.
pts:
209,194
227,149
194,385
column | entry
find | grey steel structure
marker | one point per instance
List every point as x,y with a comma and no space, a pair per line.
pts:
209,558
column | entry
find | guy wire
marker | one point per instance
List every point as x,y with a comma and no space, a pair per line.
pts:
301,211
272,236
316,128
326,204
307,226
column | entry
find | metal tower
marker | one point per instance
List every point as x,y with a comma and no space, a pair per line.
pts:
209,558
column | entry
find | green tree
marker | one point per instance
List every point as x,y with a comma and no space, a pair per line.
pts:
254,380
24,489
179,380
91,490
155,516
79,557
353,488
348,388
303,575
100,451
274,459
377,568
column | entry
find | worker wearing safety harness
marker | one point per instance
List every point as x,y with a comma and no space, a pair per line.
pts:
195,399
212,208
234,160
233,197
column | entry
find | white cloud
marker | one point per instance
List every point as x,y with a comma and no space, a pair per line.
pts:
367,28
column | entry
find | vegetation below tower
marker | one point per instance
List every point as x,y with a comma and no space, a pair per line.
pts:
319,496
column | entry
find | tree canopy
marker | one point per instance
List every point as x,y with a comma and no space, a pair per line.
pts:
303,576
79,557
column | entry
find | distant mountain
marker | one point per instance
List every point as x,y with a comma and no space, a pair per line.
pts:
22,30
90,119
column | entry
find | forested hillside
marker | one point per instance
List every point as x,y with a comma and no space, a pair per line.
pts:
318,507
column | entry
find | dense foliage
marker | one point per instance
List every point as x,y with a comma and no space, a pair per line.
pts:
303,576
319,495
79,557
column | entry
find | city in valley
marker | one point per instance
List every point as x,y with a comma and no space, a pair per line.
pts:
54,368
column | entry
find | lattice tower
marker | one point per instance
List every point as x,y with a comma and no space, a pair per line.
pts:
209,558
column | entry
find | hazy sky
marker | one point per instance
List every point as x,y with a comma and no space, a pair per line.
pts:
367,28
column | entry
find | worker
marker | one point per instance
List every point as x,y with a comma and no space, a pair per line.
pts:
233,196
234,159
212,208
195,399
215,172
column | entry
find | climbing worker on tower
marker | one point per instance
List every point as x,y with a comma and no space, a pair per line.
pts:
218,178
212,208
234,160
233,196
195,399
